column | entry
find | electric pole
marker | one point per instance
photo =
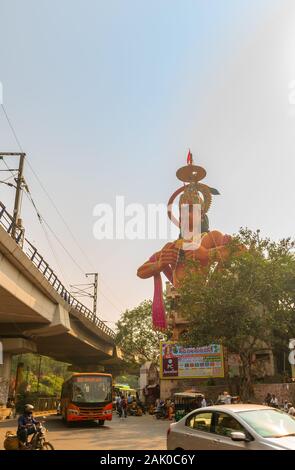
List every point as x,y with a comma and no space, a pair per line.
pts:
17,201
95,286
18,188
82,290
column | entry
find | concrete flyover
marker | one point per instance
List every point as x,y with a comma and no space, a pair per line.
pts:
38,314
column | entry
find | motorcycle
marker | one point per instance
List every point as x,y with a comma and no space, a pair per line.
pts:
37,442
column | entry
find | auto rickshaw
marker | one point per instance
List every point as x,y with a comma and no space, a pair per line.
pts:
185,402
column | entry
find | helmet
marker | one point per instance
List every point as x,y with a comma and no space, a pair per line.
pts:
29,408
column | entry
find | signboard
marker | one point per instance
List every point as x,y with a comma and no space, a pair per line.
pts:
86,378
180,362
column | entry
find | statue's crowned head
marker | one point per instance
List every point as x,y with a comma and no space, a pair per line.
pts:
193,192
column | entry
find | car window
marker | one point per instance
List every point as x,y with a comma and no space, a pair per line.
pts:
269,422
225,424
200,421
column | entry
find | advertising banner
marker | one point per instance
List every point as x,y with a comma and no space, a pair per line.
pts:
180,362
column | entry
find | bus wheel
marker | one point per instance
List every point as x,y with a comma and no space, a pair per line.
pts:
101,422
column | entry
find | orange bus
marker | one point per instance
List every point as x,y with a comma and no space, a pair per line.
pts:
87,397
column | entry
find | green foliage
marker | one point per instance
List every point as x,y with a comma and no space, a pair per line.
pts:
131,380
136,336
52,374
244,303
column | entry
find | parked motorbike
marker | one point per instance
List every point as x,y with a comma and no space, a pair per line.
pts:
37,442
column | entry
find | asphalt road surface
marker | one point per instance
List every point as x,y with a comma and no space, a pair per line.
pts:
135,432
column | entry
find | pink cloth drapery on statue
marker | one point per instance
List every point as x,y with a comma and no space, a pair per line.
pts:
158,309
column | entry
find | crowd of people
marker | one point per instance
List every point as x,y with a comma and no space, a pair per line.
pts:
272,400
129,405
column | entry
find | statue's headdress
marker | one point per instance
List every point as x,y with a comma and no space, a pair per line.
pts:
193,192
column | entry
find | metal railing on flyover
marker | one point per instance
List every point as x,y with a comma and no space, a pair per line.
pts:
6,221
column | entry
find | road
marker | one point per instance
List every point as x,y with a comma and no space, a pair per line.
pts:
142,432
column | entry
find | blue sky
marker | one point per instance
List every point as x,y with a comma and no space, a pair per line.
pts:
107,97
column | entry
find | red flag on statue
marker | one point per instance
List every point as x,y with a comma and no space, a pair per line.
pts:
189,159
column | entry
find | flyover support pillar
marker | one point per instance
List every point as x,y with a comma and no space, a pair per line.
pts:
5,370
9,347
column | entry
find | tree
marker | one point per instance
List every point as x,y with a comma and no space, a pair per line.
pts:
136,336
245,302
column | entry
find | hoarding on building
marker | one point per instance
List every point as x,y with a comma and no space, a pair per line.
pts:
180,362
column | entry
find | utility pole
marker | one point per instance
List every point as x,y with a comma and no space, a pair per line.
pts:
19,183
17,200
95,287
82,290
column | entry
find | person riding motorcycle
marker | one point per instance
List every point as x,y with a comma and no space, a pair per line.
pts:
26,424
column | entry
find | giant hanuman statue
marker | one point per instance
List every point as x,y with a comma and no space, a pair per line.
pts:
171,259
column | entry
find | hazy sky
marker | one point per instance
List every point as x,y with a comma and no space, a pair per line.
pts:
106,98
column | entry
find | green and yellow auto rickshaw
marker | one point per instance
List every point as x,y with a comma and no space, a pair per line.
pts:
184,402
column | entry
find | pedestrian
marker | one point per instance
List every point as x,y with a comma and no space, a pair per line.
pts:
226,398
274,401
124,407
203,402
286,406
267,399
117,401
120,408
291,409
129,398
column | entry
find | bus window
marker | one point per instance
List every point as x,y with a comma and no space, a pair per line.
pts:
89,389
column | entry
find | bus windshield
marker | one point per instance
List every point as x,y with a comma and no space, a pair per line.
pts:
92,389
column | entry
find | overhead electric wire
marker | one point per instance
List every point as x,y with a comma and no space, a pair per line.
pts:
44,189
60,243
61,216
12,128
40,218
8,169
58,212
73,236
115,307
6,179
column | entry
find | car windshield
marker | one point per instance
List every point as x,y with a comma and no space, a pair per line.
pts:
92,389
269,423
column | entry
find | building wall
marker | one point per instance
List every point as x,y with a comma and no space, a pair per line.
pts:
283,391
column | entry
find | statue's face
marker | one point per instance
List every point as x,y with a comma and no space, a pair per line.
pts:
190,218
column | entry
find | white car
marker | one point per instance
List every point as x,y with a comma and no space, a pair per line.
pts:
233,427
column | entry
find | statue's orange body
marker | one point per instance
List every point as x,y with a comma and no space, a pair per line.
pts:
172,259
213,247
